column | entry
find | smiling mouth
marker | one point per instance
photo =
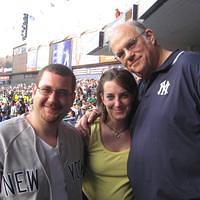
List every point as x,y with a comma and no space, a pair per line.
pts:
52,108
135,60
134,65
119,111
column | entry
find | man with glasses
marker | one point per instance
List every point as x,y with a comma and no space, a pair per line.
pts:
164,161
41,156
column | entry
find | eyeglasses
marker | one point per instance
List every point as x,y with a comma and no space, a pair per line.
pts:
47,91
129,46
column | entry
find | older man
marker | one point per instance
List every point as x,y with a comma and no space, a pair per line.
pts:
164,161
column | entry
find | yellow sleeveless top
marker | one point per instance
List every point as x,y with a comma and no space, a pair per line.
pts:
106,171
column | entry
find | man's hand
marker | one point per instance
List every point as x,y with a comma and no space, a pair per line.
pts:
83,125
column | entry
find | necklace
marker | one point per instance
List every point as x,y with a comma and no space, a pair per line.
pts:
116,133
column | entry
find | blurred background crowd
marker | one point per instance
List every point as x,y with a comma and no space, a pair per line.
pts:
16,100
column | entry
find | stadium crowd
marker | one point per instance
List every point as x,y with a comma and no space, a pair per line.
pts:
16,100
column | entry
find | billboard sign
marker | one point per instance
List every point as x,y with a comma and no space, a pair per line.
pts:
61,52
32,59
42,56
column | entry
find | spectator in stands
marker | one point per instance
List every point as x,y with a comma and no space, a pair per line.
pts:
20,106
13,109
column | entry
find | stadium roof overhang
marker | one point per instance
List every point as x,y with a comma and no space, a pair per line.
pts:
175,22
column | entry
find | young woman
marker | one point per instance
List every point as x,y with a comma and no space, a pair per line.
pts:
109,141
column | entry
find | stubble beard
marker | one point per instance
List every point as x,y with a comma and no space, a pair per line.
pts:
51,116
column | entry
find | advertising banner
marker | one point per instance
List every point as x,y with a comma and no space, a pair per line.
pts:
42,56
32,59
61,52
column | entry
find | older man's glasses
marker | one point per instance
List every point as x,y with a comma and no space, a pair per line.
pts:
47,91
120,55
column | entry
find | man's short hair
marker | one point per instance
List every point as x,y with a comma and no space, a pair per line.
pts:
59,69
